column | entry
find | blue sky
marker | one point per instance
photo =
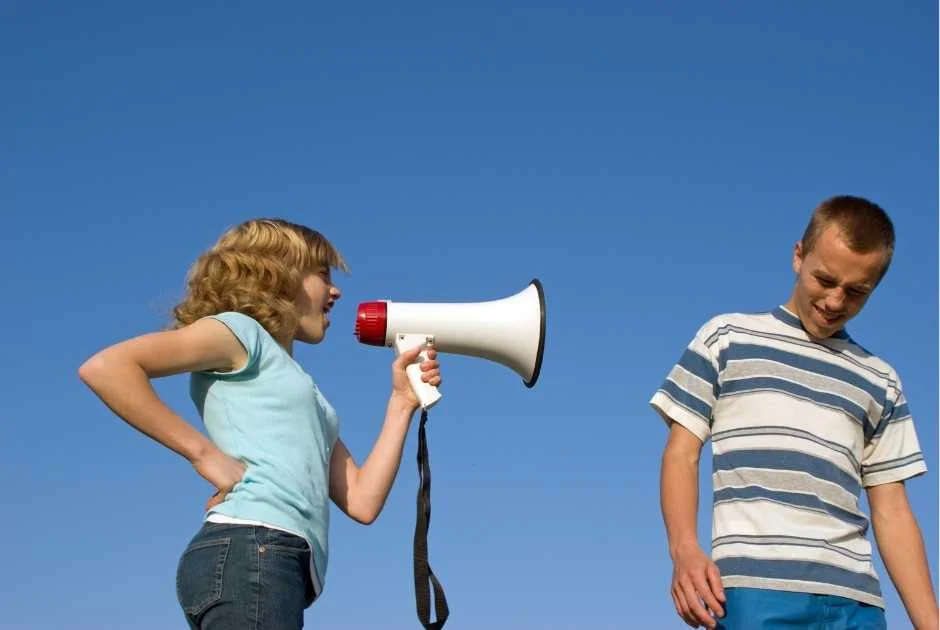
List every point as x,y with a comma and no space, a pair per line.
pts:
651,163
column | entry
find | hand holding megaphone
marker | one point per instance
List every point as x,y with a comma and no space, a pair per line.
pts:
417,360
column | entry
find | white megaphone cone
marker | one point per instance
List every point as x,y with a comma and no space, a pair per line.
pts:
510,331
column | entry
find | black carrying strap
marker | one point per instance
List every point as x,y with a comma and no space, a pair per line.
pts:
423,572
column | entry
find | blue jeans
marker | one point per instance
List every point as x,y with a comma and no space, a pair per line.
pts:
245,577
760,609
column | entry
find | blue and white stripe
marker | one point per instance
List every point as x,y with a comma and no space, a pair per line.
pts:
798,427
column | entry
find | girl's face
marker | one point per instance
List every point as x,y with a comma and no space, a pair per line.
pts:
314,301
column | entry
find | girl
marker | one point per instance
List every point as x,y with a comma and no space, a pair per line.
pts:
273,451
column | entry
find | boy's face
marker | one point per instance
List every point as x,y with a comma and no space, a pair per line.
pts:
833,282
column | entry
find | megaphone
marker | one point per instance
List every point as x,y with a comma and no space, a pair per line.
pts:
509,331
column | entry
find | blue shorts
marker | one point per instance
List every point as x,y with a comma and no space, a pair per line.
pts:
760,609
244,576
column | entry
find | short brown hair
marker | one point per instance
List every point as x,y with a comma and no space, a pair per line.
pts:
256,268
864,225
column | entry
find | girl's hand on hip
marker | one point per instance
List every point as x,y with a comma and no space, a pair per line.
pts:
221,471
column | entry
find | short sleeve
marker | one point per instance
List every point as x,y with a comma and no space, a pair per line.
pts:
893,453
690,390
250,335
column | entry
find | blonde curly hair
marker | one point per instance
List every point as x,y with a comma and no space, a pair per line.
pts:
256,268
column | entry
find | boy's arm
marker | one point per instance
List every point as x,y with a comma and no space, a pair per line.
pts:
902,549
696,583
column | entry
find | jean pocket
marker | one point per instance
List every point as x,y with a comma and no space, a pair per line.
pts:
283,540
199,576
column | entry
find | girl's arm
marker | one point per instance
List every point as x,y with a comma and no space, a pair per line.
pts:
120,376
361,492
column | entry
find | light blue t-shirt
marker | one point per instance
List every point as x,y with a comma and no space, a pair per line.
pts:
271,416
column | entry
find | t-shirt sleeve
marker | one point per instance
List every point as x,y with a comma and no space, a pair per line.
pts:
690,390
893,453
251,336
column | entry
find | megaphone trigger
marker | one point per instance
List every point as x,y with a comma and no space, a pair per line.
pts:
427,394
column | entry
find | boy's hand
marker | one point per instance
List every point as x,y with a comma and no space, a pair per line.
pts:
696,584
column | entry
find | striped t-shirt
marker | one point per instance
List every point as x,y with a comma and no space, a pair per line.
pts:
798,428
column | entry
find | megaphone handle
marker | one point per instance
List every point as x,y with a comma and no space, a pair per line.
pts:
427,394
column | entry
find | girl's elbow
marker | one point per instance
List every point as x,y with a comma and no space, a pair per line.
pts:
105,366
362,514
365,517
90,371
